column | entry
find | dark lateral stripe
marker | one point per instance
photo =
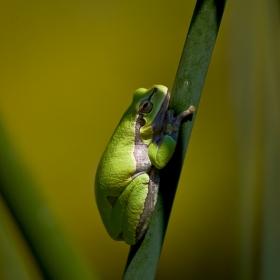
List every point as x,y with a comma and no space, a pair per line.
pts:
149,203
140,152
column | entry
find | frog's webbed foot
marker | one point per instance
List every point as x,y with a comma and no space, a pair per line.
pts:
176,121
186,113
173,123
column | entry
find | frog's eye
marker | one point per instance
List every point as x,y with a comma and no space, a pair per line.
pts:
145,106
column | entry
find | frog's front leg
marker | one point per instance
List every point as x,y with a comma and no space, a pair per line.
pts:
173,124
163,145
132,211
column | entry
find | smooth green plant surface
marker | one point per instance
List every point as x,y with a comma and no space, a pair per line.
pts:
143,257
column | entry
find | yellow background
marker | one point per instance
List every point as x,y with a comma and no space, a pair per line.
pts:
68,72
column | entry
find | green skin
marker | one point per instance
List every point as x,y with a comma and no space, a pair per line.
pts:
127,178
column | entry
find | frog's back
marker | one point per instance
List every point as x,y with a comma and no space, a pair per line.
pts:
116,167
117,163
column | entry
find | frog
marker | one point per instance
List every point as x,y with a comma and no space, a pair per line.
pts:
127,178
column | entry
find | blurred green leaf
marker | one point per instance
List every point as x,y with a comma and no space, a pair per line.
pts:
56,258
12,262
254,46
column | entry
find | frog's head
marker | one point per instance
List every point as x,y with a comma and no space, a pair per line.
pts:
151,102
151,105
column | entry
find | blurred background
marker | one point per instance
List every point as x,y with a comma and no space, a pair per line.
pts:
67,73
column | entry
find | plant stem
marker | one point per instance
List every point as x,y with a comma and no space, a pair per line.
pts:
143,257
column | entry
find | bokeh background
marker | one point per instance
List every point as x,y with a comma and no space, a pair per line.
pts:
68,70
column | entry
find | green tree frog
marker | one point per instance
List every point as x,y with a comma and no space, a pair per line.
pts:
127,178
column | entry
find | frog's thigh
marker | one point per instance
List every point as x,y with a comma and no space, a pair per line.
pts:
160,155
128,208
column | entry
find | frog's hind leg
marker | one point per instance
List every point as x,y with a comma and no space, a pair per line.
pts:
128,208
132,210
149,204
